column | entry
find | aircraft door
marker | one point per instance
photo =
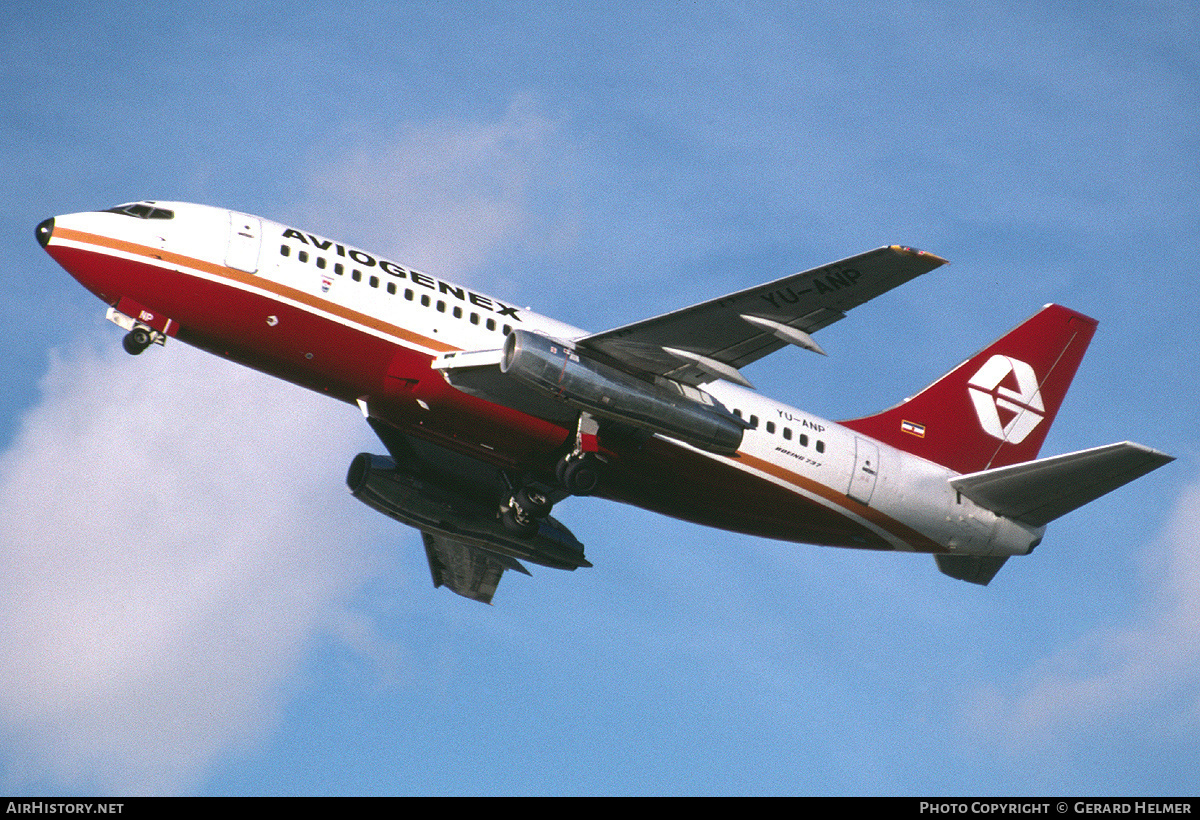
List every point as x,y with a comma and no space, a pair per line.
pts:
245,240
866,471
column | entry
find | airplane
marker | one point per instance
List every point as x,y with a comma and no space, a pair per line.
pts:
491,414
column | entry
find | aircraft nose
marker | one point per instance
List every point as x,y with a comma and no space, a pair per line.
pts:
44,231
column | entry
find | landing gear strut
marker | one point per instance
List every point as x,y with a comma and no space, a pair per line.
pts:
579,471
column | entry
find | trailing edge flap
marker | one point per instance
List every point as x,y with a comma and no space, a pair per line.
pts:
977,569
471,572
1037,492
740,328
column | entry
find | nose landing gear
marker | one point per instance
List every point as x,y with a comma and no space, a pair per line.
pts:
137,340
147,329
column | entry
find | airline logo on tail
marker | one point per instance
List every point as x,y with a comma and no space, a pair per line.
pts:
990,398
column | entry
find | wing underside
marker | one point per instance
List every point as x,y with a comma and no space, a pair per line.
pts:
469,571
454,500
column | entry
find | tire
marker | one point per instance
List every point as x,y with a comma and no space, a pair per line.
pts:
533,502
580,476
136,341
523,528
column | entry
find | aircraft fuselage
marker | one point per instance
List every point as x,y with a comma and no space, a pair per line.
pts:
365,330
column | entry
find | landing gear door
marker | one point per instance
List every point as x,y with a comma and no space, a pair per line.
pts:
245,240
866,470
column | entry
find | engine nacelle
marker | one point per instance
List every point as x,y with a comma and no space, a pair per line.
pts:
430,507
611,393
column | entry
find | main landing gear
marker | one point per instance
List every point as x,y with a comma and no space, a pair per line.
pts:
524,511
578,473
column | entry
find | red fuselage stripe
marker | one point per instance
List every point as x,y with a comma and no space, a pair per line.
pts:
850,511
905,533
256,282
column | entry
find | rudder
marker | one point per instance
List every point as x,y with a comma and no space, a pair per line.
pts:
995,408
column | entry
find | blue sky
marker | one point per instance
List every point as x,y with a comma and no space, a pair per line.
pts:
190,603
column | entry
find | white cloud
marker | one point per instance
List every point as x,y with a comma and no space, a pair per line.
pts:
448,195
177,535
1147,669
176,539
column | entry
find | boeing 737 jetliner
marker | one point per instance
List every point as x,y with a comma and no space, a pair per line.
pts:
490,413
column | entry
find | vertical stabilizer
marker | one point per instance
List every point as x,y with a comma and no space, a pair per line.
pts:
995,408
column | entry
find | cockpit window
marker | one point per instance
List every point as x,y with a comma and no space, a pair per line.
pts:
142,210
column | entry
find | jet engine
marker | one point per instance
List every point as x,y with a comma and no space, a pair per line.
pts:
608,392
451,513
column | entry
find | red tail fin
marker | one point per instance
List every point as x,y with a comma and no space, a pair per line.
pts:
995,408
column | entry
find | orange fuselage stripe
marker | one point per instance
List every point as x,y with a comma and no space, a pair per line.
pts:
896,528
256,282
905,533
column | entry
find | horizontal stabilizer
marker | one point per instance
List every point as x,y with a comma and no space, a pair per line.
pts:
1037,492
977,569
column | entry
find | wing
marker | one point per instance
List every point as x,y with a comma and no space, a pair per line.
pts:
453,500
471,572
714,339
